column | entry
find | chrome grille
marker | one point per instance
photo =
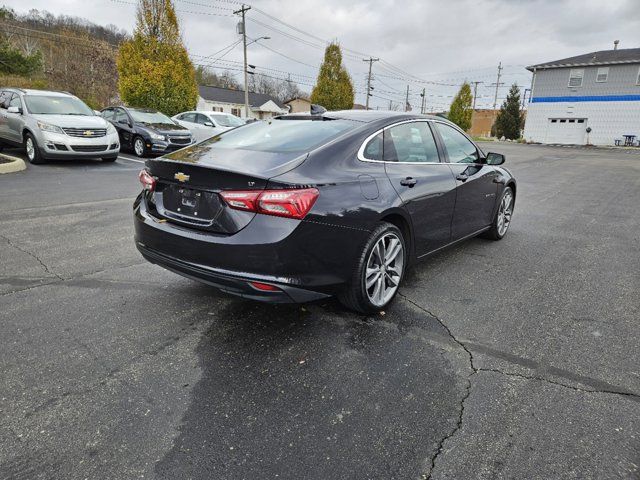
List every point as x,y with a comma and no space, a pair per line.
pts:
85,132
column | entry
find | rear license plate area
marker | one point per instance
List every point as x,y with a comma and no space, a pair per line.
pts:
187,202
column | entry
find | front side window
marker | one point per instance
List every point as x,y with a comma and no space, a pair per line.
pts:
459,148
56,105
188,117
227,120
602,75
282,135
575,77
410,142
15,102
121,116
4,99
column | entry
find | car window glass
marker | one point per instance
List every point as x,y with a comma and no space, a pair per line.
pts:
410,142
189,117
459,148
107,114
373,150
4,96
15,101
121,116
201,119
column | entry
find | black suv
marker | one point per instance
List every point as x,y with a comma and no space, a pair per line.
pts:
146,131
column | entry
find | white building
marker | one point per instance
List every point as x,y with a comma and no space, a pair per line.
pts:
599,91
232,101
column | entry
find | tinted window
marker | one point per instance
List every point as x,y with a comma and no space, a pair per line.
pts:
459,148
282,135
121,116
56,105
107,114
373,150
410,142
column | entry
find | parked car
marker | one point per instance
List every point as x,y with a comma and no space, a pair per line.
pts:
144,131
306,206
54,125
203,124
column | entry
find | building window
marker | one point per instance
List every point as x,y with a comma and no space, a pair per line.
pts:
603,74
216,109
235,111
575,77
638,79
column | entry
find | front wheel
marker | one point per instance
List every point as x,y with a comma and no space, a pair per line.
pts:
32,150
502,219
379,271
139,147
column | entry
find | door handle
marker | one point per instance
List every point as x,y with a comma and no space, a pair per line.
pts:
462,177
408,182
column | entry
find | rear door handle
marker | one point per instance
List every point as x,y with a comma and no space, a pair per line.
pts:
408,182
462,177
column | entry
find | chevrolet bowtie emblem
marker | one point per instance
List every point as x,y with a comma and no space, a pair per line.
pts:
181,177
87,133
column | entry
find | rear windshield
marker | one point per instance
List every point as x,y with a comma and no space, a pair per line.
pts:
56,105
282,135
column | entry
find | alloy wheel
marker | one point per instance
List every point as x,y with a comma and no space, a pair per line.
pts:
384,269
504,213
30,148
138,147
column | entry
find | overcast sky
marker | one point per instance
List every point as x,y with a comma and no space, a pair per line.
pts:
438,44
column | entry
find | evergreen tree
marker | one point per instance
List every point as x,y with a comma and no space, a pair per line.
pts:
334,89
154,68
461,108
509,119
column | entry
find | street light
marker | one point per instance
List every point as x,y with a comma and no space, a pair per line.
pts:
257,39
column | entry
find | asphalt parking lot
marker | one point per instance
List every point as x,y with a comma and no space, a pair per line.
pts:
512,359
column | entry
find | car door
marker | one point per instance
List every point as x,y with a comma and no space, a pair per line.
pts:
124,126
4,103
15,121
476,186
424,183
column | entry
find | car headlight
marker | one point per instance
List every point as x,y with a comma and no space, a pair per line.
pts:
156,136
47,127
110,128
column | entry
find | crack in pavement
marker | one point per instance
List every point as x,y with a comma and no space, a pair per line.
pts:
474,370
32,255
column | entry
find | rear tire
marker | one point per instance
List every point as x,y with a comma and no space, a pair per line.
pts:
32,150
502,219
378,272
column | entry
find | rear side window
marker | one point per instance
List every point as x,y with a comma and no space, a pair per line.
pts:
459,148
373,150
282,135
410,142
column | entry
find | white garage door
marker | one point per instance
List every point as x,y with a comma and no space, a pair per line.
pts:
566,131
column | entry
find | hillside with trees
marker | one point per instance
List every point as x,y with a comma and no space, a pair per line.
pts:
40,50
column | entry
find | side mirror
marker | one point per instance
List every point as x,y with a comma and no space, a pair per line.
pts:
208,124
494,159
14,110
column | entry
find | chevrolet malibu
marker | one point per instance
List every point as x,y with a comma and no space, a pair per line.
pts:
306,206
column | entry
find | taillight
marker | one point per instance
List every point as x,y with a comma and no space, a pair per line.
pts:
294,203
265,287
147,181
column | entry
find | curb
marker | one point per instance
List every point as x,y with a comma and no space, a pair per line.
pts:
15,164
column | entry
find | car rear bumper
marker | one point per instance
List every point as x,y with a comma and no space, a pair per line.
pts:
305,260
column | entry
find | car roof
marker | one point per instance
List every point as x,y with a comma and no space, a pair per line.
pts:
30,91
365,116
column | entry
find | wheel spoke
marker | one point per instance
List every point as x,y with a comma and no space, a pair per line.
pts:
381,289
393,251
392,280
372,280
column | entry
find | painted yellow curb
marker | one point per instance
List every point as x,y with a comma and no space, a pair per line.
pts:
15,164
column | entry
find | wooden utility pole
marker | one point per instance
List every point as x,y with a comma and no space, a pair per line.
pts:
244,47
406,103
370,60
423,95
498,84
475,93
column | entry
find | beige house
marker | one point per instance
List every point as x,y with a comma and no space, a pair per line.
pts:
298,105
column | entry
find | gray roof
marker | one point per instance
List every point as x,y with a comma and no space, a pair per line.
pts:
228,95
603,57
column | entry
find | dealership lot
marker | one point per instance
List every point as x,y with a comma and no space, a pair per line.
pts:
511,359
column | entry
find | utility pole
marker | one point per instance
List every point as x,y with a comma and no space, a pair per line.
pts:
423,101
370,60
475,93
390,104
498,84
406,103
244,46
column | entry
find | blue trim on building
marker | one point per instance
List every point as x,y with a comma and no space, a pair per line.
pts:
588,98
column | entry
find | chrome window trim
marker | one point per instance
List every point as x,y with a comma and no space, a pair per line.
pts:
362,158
